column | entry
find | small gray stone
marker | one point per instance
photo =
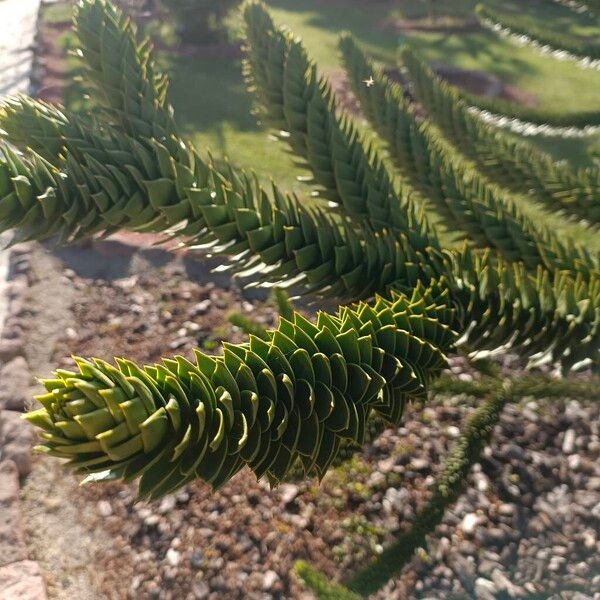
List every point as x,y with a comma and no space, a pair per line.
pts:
395,500
12,543
270,578
10,348
167,504
104,508
178,343
200,589
513,452
386,465
503,583
507,509
173,557
22,580
487,567
201,308
420,464
376,479
288,492
16,439
465,570
453,431
568,445
197,559
485,589
16,379
470,523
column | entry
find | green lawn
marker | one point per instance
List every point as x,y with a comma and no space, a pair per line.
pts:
555,17
213,108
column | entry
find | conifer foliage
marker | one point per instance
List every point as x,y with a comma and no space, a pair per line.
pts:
520,25
290,398
468,201
512,163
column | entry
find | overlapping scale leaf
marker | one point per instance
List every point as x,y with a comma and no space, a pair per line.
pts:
548,316
487,214
512,163
266,404
36,200
112,183
301,106
121,73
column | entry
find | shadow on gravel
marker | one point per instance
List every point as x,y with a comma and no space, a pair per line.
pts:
112,259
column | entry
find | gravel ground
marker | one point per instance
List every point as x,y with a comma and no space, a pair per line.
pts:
527,527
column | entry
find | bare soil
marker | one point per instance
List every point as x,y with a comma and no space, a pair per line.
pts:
484,84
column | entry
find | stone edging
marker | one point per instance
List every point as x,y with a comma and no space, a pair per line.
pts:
20,578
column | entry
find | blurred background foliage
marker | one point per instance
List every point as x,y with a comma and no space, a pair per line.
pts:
198,43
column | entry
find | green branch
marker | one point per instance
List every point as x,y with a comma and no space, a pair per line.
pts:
512,163
111,181
299,104
120,72
487,214
265,404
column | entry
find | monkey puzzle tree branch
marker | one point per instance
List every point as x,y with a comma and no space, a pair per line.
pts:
264,404
273,237
121,73
499,304
512,163
111,181
299,104
486,213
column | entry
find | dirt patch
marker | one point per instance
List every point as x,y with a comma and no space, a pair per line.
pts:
484,84
440,25
515,94
345,97
473,81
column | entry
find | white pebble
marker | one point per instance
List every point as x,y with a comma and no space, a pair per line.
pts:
104,508
568,446
173,557
269,580
470,523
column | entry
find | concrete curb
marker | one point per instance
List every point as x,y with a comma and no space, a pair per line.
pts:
17,44
20,578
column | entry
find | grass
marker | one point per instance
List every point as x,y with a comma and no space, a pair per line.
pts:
557,18
213,107
551,82
227,127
